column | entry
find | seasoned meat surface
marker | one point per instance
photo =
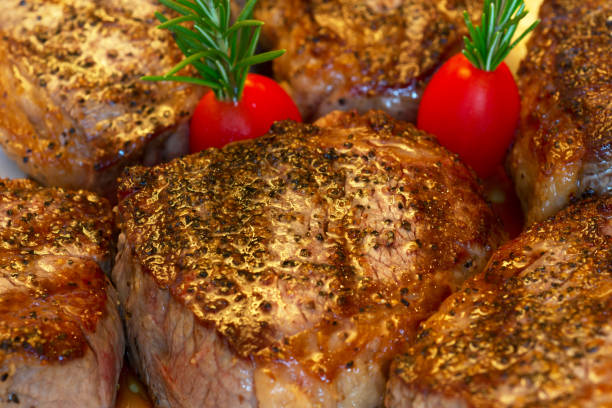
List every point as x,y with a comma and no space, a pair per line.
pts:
61,340
533,330
73,110
291,266
375,54
564,145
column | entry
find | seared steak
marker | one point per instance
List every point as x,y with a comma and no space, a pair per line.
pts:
564,146
533,330
374,54
61,340
285,270
73,110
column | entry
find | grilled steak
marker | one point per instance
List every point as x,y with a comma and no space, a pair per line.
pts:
375,54
73,111
284,271
533,330
564,145
61,340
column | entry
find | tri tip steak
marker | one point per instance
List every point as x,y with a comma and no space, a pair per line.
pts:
534,329
61,339
563,149
73,109
286,270
355,54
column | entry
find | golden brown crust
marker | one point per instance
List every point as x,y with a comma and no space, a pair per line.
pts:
376,54
533,330
564,145
52,286
363,224
73,109
44,317
54,220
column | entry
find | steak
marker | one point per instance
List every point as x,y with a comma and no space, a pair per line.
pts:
286,270
533,330
73,110
374,54
563,149
61,339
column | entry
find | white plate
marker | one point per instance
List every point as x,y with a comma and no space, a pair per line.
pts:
8,169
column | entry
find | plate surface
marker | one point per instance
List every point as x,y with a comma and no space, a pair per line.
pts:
8,169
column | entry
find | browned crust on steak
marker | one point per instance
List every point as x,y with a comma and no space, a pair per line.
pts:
533,330
183,363
52,242
564,144
73,109
375,54
61,340
89,381
61,222
45,321
361,219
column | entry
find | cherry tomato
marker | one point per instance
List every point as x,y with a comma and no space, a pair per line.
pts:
216,123
472,112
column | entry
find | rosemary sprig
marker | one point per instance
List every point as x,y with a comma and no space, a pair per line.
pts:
221,53
491,42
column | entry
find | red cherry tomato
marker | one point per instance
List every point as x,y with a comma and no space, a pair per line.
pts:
472,112
216,123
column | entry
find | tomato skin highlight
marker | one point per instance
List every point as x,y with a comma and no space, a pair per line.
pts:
472,112
216,123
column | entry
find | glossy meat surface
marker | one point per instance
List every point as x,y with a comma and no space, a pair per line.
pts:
564,145
533,330
61,341
73,110
304,251
375,54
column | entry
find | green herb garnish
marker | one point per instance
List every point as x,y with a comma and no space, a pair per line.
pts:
491,42
222,53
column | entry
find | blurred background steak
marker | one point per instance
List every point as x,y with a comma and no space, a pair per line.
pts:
564,145
533,330
374,54
61,339
286,270
73,111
